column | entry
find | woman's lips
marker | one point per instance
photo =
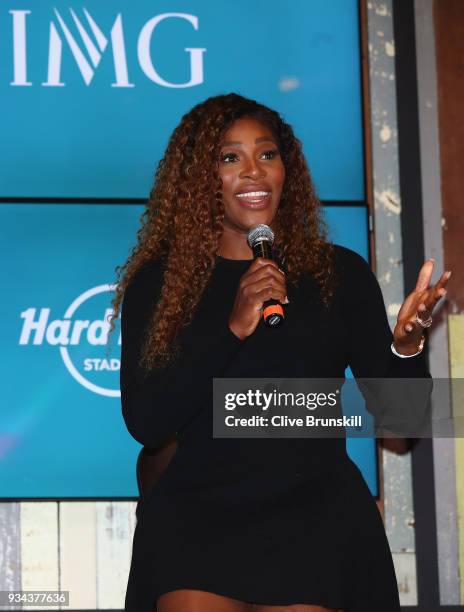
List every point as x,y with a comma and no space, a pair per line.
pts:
253,199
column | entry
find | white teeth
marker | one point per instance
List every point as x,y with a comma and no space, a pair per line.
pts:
253,194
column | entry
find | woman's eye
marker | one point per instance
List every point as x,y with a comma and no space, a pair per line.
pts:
228,157
270,154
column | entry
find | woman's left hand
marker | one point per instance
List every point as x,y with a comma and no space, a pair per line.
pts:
418,305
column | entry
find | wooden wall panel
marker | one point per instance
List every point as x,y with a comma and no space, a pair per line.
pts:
10,547
81,547
456,342
449,41
78,565
39,547
396,468
115,530
405,569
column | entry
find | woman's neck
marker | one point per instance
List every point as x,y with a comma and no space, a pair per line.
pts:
234,245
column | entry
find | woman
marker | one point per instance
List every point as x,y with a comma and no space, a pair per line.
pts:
235,525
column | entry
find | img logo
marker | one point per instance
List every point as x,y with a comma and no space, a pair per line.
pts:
82,336
87,43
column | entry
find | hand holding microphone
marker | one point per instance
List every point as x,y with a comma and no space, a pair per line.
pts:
262,289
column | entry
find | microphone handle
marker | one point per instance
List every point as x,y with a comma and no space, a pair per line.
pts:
273,313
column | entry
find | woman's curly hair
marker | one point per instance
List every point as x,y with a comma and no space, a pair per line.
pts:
182,221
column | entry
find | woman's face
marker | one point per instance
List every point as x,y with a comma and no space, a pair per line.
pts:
252,174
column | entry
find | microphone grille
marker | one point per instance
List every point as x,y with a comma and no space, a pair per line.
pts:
259,233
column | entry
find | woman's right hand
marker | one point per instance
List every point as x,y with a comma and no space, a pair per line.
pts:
261,282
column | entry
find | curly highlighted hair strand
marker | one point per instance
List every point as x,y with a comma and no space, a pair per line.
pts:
182,221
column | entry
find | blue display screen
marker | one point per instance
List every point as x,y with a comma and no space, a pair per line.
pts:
61,428
90,94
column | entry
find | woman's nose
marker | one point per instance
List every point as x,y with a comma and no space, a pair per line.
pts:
252,169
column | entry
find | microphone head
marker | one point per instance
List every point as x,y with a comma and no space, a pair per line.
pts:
260,233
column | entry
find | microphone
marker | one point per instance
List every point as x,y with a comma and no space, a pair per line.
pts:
261,239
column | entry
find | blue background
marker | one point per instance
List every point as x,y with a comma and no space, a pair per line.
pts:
100,141
91,141
57,438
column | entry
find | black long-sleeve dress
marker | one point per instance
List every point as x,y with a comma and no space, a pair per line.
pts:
273,521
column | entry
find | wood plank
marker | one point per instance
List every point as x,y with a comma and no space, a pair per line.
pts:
114,533
449,43
10,548
77,527
398,507
456,343
39,547
448,39
438,350
406,576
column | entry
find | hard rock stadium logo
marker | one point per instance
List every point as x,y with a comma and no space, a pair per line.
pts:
82,340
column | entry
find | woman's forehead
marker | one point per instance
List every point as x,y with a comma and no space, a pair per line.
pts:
247,128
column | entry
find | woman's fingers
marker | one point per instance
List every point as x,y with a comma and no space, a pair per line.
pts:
408,336
268,272
264,289
264,274
269,293
262,281
444,278
439,289
425,275
432,296
420,304
261,268
412,325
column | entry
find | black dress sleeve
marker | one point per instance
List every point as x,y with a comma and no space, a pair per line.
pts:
370,336
158,405
402,405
